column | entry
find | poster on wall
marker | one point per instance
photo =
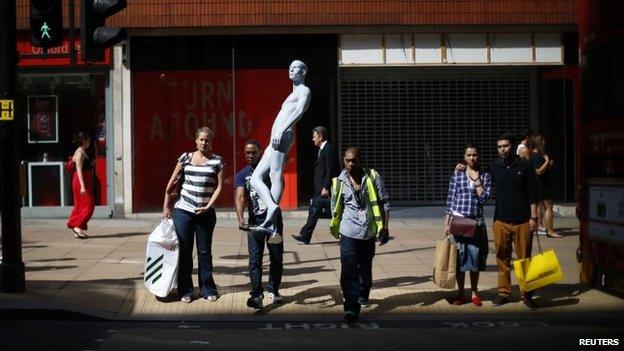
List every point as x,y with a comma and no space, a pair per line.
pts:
42,119
170,107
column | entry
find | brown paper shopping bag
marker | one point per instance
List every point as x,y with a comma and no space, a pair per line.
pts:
445,264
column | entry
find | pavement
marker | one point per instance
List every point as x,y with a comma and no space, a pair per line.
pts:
102,277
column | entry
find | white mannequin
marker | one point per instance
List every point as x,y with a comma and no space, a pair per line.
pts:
282,137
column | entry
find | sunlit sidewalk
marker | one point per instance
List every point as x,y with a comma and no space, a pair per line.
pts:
103,276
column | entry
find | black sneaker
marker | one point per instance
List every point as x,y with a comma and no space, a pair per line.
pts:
350,317
300,239
500,300
530,304
255,302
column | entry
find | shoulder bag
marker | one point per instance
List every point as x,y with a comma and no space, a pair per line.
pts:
463,226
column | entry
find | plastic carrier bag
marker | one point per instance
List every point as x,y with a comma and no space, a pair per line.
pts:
161,259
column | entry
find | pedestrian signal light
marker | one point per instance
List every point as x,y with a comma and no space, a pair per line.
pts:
46,23
95,37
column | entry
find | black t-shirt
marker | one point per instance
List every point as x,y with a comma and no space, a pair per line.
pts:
256,208
536,161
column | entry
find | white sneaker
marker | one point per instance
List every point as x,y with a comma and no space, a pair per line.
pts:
542,231
212,298
276,298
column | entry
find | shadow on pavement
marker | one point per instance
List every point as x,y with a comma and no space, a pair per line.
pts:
46,268
118,235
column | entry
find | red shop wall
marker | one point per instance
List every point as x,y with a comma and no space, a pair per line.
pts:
170,106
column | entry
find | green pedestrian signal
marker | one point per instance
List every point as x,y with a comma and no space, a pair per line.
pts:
45,31
46,23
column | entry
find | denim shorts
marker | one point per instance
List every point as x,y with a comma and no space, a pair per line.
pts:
472,252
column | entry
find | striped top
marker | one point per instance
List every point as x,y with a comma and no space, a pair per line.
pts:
200,181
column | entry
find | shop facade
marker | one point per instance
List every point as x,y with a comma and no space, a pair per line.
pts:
409,91
57,99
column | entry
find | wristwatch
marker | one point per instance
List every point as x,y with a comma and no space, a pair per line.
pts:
534,218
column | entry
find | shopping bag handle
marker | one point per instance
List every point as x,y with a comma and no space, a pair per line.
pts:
539,243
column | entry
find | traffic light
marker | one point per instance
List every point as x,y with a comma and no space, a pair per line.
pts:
94,36
46,23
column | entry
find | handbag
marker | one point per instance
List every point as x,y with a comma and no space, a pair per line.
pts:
322,205
539,270
175,191
463,226
445,264
70,165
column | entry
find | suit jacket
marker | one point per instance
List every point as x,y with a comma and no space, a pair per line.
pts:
325,168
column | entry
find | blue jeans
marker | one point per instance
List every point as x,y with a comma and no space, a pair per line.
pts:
356,276
187,224
255,246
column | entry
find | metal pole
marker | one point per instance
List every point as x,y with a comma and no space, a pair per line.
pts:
12,277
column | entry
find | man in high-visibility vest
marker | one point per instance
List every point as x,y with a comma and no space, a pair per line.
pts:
360,211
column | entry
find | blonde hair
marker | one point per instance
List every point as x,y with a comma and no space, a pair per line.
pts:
206,130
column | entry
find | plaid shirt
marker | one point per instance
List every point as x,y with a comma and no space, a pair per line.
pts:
463,199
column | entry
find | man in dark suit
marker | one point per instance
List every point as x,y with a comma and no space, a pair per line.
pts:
324,169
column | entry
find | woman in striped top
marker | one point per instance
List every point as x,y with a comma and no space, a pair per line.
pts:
193,213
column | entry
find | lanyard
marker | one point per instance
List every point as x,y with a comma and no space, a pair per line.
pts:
358,194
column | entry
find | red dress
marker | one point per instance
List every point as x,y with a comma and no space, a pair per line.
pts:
83,204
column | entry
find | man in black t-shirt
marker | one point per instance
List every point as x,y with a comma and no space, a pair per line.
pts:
256,239
515,216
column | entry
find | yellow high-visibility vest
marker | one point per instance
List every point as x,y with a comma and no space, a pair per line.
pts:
372,200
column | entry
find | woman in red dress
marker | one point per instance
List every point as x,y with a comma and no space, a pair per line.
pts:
82,186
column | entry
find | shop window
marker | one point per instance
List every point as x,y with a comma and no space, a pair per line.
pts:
56,107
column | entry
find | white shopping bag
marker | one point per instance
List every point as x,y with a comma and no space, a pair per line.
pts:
161,259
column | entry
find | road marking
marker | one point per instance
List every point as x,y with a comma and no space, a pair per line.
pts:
319,326
188,326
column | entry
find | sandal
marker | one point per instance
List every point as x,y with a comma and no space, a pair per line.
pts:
476,300
79,234
554,235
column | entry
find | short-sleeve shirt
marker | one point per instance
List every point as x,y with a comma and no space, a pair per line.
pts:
520,147
537,161
200,181
256,208
358,214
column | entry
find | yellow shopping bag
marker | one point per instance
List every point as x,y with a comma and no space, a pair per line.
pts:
538,271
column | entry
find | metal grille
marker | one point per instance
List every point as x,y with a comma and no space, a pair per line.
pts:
412,124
